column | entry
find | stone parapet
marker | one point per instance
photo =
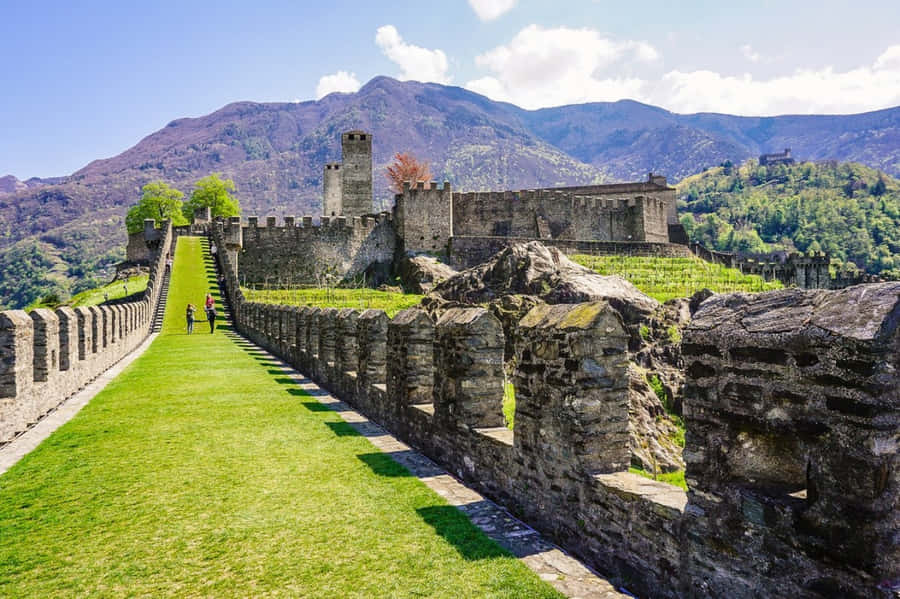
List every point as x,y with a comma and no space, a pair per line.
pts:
791,414
47,356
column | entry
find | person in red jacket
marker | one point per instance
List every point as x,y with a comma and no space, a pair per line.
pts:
211,312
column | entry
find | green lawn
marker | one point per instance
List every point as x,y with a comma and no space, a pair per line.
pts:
361,299
116,290
667,278
672,478
509,404
203,471
98,295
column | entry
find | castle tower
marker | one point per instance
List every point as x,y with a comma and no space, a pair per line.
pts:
356,178
331,181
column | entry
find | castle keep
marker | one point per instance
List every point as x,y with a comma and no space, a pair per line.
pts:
347,186
467,228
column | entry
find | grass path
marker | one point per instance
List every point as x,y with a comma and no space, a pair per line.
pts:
202,471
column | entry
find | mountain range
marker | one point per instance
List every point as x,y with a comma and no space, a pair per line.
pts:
275,152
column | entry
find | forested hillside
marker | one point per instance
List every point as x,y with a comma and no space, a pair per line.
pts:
846,209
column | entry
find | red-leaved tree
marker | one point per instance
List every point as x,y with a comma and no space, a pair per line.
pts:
407,168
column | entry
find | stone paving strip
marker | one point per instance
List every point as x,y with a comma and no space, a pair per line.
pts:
28,441
553,565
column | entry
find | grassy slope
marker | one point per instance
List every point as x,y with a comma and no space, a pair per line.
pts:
116,290
98,295
361,299
667,278
201,470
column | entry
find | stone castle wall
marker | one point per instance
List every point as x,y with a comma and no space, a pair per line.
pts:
48,355
785,391
302,253
423,218
553,214
136,249
600,219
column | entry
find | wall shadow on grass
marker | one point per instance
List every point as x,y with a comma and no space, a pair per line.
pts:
342,429
456,529
366,428
313,406
410,462
383,465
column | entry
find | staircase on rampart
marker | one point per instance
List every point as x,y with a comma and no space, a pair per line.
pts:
160,308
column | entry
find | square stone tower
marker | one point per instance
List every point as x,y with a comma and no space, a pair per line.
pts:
356,177
333,188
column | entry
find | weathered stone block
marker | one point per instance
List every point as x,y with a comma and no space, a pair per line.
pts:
16,373
371,338
789,425
469,369
571,386
410,362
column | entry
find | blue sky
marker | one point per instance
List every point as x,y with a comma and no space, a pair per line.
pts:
88,79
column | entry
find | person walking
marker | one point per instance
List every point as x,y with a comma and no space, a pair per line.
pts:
211,312
168,263
189,314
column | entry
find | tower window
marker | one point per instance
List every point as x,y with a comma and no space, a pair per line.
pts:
362,138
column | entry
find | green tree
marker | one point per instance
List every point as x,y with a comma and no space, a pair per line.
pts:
215,192
160,202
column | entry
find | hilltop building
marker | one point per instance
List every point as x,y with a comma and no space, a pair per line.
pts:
784,158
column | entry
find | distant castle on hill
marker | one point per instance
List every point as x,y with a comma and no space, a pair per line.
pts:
773,159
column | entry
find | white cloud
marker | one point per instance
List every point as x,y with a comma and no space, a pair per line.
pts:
749,53
342,81
420,64
889,59
803,91
548,67
488,10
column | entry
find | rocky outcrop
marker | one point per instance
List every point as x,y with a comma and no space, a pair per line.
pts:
545,272
420,273
526,275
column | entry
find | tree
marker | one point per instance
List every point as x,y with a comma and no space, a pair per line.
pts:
160,202
406,168
214,192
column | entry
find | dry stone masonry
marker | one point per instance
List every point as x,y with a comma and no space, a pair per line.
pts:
48,355
792,413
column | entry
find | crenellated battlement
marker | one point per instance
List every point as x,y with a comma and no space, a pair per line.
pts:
291,225
301,251
49,355
799,494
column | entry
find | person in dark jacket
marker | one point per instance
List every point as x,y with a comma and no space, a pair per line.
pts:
211,312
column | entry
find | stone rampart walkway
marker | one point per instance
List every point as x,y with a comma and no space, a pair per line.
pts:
565,573
203,469
25,443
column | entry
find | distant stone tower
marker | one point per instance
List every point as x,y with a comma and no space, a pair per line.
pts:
356,178
332,205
